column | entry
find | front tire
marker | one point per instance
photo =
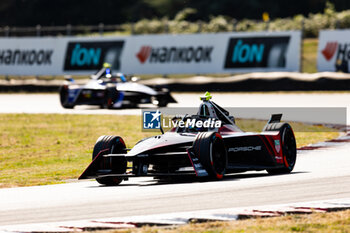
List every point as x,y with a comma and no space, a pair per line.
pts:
211,151
162,103
64,97
110,145
111,95
288,146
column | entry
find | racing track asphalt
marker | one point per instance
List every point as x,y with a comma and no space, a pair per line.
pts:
318,175
49,103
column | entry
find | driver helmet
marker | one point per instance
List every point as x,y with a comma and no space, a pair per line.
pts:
108,71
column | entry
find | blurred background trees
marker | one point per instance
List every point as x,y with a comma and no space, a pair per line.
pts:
89,12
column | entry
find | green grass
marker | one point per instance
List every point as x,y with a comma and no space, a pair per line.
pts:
44,149
38,149
309,55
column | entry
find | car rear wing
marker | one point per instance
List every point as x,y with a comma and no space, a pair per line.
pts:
275,118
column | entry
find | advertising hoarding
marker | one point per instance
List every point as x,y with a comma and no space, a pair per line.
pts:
213,53
333,52
58,55
153,54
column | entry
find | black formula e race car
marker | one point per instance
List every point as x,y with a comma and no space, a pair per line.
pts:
213,151
109,90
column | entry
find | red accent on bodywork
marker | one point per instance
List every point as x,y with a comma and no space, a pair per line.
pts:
272,144
280,153
267,147
189,156
122,141
285,161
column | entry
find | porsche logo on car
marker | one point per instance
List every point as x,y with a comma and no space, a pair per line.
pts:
244,148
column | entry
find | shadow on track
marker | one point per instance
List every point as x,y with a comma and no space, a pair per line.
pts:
194,179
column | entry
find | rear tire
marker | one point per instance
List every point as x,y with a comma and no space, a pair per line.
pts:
288,146
110,145
211,151
64,97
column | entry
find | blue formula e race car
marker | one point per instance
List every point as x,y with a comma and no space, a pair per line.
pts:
191,149
109,90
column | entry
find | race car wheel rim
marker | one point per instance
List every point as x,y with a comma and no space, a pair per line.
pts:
289,147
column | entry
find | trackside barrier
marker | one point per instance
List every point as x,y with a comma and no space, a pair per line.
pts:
153,54
333,52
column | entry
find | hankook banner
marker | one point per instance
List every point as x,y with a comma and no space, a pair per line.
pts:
212,53
334,51
153,54
31,56
58,56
